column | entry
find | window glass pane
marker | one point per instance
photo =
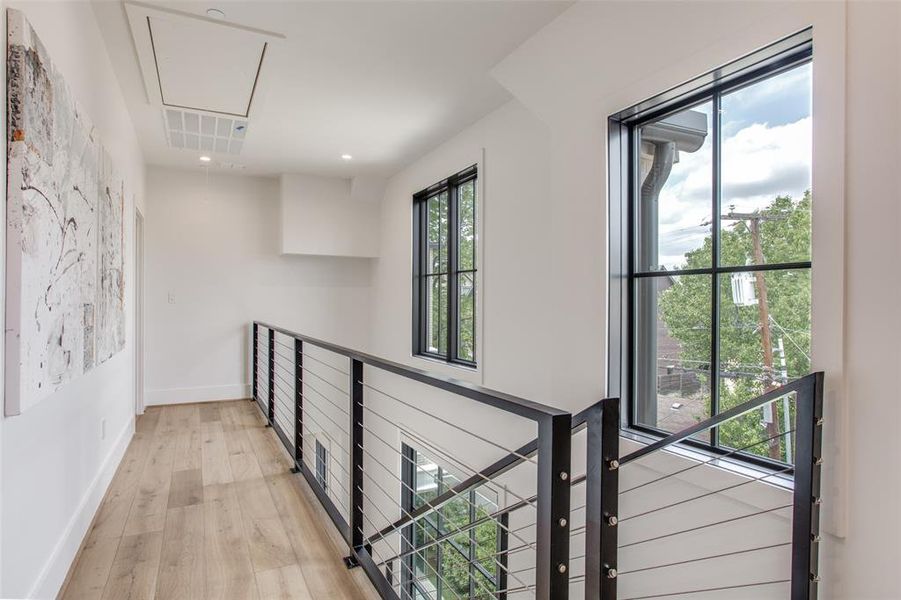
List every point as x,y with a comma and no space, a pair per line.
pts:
483,588
466,217
426,473
321,465
436,314
463,565
429,572
672,351
766,166
764,343
455,565
486,534
466,323
675,191
436,253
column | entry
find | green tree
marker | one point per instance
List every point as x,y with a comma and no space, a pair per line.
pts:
784,237
438,264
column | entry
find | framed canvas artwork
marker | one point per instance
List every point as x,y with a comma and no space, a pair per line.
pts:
65,311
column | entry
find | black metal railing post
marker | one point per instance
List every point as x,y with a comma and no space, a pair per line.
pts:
806,500
298,404
602,500
256,348
271,408
552,526
356,443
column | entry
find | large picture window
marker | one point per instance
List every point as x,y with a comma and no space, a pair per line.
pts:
715,253
466,565
444,269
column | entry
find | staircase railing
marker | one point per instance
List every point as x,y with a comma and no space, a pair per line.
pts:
351,422
742,530
346,418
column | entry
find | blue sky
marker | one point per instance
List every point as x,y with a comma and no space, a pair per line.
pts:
766,153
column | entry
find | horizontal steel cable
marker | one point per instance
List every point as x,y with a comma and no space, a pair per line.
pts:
711,589
326,381
321,412
705,495
711,557
706,526
309,403
305,355
342,409
415,519
416,466
449,424
402,563
707,462
382,561
469,470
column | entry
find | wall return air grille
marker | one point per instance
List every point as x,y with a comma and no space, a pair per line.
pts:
189,130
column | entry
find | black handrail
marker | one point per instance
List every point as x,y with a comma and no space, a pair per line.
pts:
507,402
722,417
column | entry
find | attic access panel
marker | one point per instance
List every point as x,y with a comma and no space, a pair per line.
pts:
201,66
192,62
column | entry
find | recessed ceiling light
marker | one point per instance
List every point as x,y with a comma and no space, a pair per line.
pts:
215,13
205,158
346,157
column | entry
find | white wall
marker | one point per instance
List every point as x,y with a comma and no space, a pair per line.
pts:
865,564
329,216
55,466
544,292
213,246
511,147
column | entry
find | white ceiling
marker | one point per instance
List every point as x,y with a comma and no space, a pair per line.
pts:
382,81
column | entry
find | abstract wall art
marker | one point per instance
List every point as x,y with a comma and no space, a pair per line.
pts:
65,247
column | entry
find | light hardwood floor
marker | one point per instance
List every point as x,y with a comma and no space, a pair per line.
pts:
203,506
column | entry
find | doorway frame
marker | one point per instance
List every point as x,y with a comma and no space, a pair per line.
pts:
139,312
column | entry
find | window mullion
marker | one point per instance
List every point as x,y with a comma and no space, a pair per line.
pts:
452,266
472,544
422,279
439,553
408,537
715,260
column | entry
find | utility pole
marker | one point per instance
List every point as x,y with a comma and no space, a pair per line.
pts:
763,313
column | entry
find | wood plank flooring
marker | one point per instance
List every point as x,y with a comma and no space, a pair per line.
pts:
203,506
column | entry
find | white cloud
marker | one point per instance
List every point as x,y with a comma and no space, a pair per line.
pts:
759,163
762,162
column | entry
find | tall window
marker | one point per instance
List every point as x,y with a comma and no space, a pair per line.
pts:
716,252
444,269
465,565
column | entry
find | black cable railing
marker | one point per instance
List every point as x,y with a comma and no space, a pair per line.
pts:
736,529
343,414
419,530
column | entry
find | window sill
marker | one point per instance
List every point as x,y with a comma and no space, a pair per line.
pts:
460,368
447,363
730,464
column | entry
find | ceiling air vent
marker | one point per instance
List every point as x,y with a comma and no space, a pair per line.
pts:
189,130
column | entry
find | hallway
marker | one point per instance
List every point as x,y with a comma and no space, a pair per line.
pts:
203,506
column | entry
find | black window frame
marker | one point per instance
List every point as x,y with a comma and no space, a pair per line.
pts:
410,586
450,186
779,57
322,465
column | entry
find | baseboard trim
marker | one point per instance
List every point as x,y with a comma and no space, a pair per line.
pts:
58,567
190,395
